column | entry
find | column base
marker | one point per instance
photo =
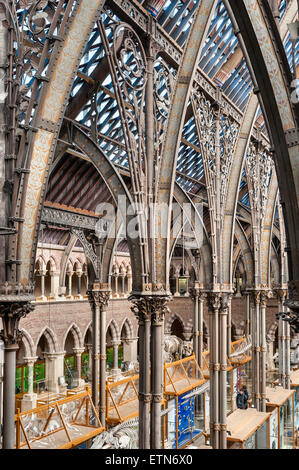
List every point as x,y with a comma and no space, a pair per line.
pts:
28,402
42,298
53,297
69,297
78,297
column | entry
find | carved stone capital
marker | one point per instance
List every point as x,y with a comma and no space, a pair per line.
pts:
214,301
218,301
150,307
11,314
99,296
157,398
145,397
281,294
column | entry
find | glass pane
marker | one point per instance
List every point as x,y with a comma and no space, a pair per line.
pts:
19,380
297,408
288,424
250,443
274,429
228,391
172,424
262,437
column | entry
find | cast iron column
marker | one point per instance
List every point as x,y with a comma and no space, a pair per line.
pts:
158,310
263,349
223,353
256,349
104,296
202,296
214,301
142,312
92,297
195,297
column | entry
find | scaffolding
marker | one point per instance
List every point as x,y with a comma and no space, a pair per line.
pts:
63,424
241,351
122,400
182,376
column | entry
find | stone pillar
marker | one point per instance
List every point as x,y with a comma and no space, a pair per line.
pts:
200,328
123,293
142,312
54,285
159,309
42,297
214,301
69,293
115,368
247,324
79,352
54,370
129,277
229,325
281,294
29,399
130,349
177,293
224,342
12,309
99,297
256,323
150,310
116,286
89,371
263,349
195,297
218,311
287,348
95,347
79,275
187,286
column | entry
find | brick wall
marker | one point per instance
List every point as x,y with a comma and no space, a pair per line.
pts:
58,317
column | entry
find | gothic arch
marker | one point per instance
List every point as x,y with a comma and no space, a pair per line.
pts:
77,336
51,340
28,343
127,325
272,76
88,328
41,260
170,320
115,333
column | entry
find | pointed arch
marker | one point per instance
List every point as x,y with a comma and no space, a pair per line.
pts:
128,327
115,333
50,338
77,336
28,343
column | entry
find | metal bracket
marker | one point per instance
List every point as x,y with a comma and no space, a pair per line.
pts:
292,137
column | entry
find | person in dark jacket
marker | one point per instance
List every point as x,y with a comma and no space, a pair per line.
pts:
245,392
241,400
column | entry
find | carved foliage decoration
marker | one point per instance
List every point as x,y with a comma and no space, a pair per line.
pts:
152,308
216,131
127,65
11,314
259,167
163,81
